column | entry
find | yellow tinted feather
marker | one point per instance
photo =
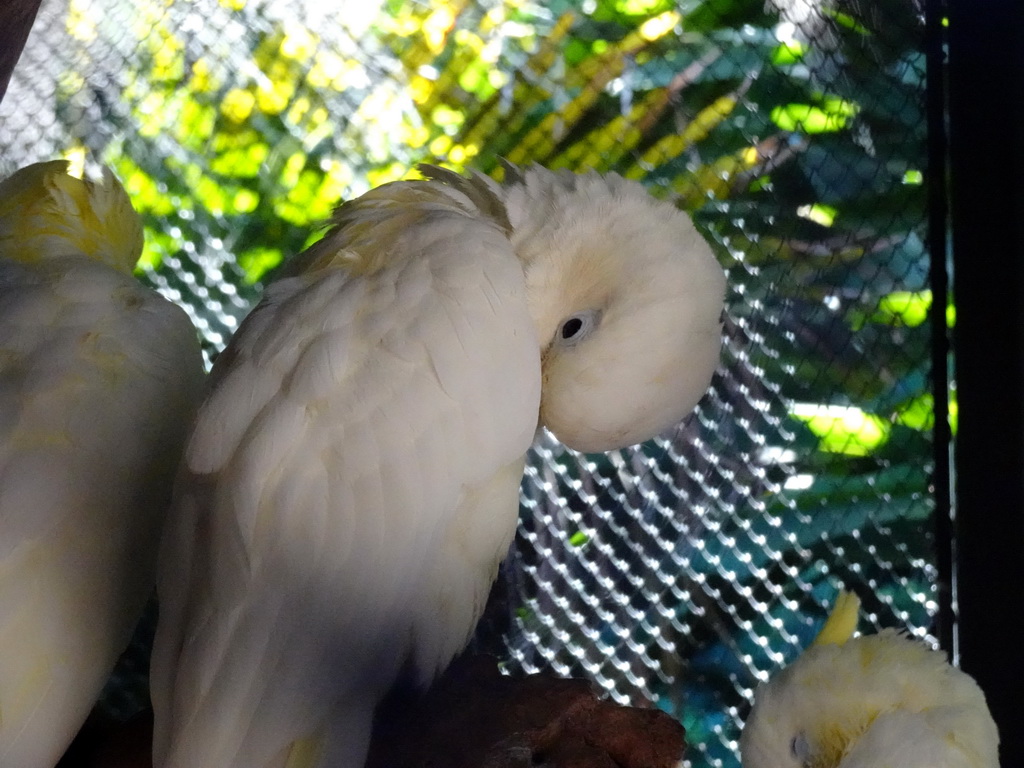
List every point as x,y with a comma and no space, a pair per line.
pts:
305,753
842,622
45,213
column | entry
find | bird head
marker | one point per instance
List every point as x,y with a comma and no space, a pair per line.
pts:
814,712
800,718
45,212
856,701
627,299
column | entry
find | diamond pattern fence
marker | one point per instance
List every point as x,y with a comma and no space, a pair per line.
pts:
681,571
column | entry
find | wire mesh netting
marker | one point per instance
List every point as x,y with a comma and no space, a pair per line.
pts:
685,570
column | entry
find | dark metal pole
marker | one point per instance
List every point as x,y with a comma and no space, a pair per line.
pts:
16,17
986,142
938,242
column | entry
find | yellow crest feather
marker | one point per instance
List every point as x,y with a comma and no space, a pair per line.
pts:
842,622
305,752
46,212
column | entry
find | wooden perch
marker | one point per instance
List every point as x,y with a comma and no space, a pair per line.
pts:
475,717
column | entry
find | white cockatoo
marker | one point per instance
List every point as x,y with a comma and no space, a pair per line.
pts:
99,377
875,701
352,481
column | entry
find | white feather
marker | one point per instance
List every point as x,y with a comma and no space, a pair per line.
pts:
351,483
98,381
321,518
931,738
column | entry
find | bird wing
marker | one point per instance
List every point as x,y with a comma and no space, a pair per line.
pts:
99,378
364,426
905,739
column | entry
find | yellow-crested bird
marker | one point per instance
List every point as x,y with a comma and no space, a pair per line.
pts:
875,701
99,378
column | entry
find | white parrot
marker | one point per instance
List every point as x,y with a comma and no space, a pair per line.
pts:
352,481
99,377
876,701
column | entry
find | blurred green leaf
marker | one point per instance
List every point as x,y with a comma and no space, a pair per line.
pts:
831,115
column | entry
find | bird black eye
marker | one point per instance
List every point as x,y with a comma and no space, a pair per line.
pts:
571,327
577,327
